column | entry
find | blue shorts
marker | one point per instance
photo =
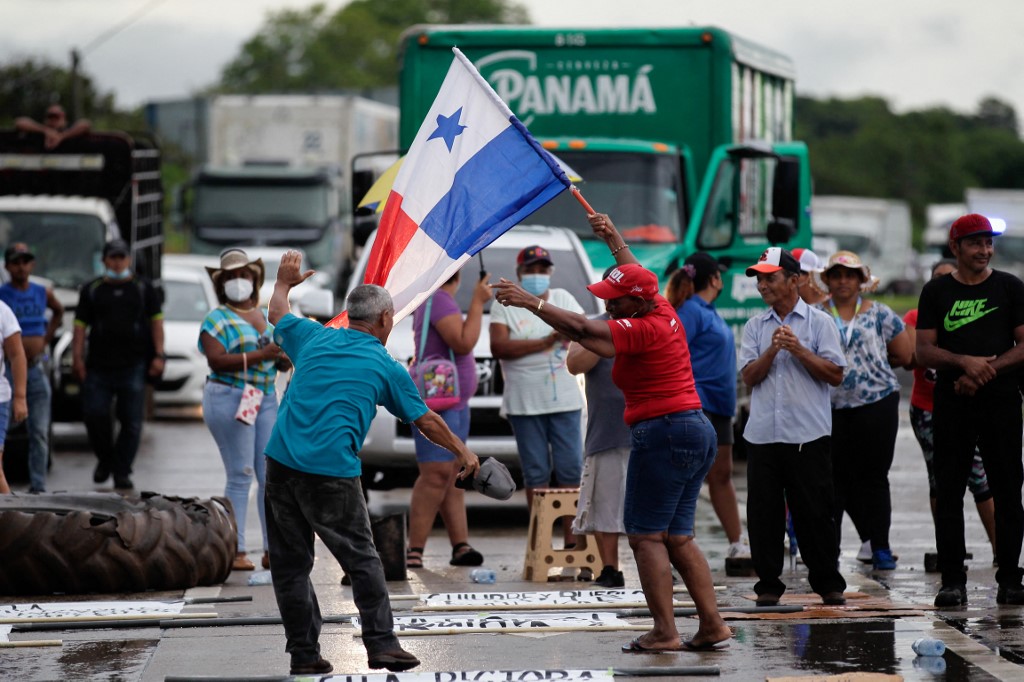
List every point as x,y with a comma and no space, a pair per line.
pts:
5,418
547,441
670,458
457,419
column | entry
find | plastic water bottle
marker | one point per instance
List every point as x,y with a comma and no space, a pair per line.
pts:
484,576
260,578
928,646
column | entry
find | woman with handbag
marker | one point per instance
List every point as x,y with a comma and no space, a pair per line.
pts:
239,402
442,333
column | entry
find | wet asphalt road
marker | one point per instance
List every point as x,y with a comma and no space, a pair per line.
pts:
985,641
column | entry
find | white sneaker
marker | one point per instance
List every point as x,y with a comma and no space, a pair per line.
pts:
738,549
864,555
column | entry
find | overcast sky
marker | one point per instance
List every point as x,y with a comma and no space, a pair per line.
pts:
915,53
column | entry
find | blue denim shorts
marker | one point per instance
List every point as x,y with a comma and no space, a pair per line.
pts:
457,419
671,455
5,418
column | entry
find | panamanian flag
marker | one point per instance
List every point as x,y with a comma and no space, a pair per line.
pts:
472,172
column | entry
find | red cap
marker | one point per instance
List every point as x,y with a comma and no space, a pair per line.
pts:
627,280
969,225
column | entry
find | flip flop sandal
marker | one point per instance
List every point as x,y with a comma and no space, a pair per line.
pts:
464,555
635,647
688,645
414,557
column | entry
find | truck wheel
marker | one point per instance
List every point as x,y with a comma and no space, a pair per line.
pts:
76,543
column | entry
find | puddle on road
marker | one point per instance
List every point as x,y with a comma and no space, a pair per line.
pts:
842,648
990,629
82,660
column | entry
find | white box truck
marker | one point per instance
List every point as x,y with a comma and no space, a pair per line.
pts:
275,173
1005,210
878,230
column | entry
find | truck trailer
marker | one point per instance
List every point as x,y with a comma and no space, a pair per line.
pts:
273,172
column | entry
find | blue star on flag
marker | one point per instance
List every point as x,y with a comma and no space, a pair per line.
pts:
448,128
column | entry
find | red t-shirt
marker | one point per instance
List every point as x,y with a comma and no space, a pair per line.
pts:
921,395
652,364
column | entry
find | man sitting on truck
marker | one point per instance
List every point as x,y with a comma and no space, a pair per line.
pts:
29,302
54,127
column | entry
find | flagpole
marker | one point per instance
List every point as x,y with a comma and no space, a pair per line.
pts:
579,197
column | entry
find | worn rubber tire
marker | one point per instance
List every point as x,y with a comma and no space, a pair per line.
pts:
103,542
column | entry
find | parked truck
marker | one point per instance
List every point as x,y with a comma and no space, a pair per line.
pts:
1003,207
66,203
274,172
682,135
878,230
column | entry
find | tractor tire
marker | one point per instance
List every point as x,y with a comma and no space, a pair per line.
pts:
79,543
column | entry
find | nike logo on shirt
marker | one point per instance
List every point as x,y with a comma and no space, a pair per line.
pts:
964,312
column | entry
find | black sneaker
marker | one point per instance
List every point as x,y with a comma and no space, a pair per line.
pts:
954,595
610,578
320,666
101,473
123,483
1010,594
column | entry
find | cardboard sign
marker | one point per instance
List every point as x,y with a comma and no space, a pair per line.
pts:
484,623
480,676
560,598
88,609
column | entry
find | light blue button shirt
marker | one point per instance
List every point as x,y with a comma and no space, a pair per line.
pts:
790,405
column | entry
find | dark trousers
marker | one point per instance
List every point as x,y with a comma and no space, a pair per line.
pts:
123,390
863,442
993,424
800,476
298,505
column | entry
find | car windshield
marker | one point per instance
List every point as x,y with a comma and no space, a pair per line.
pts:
68,246
184,301
569,274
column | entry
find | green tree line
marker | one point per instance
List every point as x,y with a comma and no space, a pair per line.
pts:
858,146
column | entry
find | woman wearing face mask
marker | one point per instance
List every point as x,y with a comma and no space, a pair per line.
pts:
541,399
236,339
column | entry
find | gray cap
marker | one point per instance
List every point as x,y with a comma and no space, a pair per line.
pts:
493,480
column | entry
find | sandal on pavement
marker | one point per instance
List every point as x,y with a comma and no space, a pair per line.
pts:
242,563
464,555
690,645
414,557
635,647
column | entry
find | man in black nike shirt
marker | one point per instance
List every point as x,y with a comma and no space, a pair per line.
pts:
970,327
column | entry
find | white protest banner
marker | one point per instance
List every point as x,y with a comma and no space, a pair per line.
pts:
89,610
563,599
489,622
479,676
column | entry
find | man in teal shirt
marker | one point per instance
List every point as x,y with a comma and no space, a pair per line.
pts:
313,469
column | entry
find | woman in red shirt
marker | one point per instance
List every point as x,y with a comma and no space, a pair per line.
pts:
674,445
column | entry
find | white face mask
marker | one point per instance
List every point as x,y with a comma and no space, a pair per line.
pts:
238,289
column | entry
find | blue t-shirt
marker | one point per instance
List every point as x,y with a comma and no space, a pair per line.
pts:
340,378
712,355
29,307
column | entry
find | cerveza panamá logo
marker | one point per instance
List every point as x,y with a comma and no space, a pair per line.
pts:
965,312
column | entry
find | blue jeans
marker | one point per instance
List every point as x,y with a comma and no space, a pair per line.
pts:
547,441
39,398
670,459
300,505
102,387
457,419
241,449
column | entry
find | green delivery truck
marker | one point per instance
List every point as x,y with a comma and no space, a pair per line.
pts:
682,135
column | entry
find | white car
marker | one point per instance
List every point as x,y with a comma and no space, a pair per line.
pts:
388,453
188,297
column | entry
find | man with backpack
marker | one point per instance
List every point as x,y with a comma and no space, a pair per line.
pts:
120,314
